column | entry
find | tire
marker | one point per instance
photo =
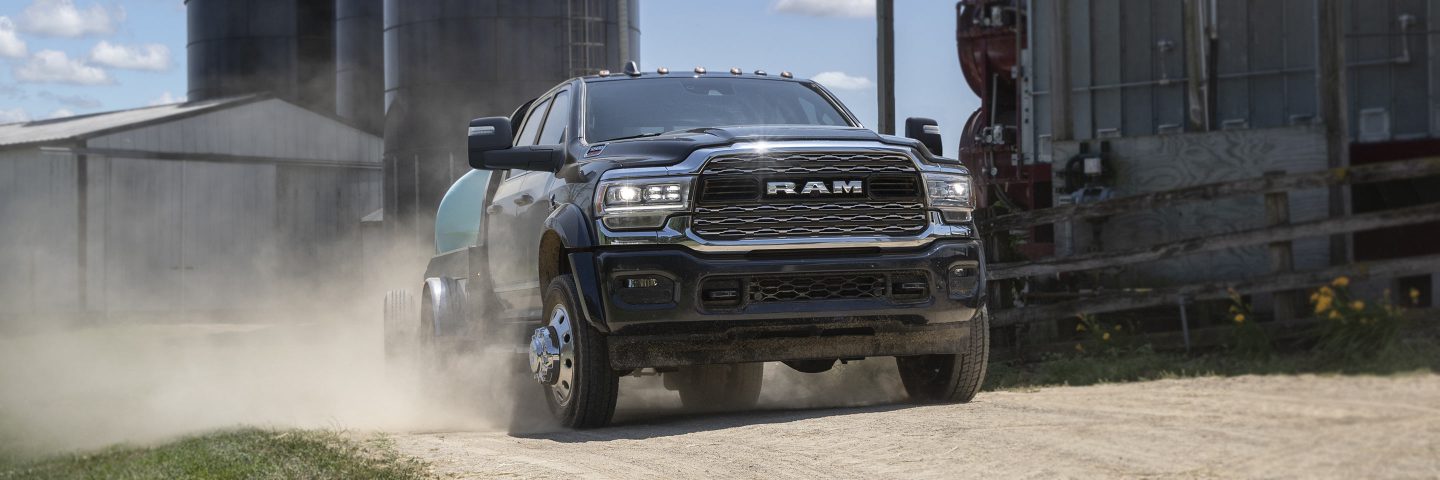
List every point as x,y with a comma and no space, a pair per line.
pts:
720,387
584,394
949,378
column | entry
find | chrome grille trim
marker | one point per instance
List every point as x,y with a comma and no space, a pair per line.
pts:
717,217
799,163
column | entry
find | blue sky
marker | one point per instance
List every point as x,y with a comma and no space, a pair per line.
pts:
64,57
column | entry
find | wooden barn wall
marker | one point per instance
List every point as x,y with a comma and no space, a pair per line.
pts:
39,224
1164,162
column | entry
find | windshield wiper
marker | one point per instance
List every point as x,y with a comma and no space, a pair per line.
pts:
643,135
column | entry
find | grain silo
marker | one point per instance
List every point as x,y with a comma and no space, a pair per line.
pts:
360,63
447,61
282,47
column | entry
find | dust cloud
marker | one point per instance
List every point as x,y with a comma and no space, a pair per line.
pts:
85,384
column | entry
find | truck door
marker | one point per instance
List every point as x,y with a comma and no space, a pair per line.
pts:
511,262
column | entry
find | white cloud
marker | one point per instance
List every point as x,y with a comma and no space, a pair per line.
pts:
50,66
61,113
61,18
827,8
154,56
11,46
167,98
842,81
14,115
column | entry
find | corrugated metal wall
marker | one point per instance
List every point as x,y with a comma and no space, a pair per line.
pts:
1128,70
237,210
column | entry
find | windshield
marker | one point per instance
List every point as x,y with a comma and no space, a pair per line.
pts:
630,108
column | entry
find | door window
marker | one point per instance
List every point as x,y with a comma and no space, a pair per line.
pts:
556,121
532,124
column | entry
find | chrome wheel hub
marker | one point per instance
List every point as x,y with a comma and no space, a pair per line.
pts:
552,355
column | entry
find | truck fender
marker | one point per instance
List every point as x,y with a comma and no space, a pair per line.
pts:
444,303
567,239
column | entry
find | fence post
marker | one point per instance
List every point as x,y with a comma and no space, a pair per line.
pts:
1277,213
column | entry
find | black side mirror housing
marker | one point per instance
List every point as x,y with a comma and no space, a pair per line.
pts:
927,131
487,135
492,148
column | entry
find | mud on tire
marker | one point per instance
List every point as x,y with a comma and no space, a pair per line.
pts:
952,378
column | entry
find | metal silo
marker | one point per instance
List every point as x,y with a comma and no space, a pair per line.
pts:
360,63
447,61
284,47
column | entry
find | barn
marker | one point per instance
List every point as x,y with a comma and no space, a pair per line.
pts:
214,208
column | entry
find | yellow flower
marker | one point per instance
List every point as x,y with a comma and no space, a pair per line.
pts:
1334,314
1080,348
1240,318
1322,305
1414,295
1357,305
1118,328
1326,292
1341,282
1079,327
1106,337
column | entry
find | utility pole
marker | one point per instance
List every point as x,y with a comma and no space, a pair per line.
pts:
885,63
1330,30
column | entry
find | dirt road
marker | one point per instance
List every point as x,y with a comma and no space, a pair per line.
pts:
1307,426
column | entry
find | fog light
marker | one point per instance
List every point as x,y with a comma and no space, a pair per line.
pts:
645,290
963,282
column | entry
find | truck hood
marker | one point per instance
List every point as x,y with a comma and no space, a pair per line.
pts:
673,147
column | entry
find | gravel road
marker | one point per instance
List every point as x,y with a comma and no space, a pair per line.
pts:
1272,426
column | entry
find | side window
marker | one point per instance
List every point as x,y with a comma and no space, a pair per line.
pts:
532,124
555,123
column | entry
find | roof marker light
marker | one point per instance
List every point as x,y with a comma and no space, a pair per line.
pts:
699,70
662,71
787,75
734,71
760,72
604,73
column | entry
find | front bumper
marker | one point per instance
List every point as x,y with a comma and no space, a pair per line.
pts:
677,322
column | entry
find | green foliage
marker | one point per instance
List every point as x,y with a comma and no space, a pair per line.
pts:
1417,354
1249,338
1104,338
247,454
1352,328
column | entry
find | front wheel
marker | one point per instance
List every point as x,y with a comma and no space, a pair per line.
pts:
949,378
570,359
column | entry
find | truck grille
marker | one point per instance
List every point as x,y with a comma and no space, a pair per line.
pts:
733,203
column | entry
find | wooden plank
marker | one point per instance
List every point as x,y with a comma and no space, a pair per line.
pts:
1366,221
1217,290
1379,172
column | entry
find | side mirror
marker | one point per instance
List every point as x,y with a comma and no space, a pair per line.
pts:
491,148
927,131
486,135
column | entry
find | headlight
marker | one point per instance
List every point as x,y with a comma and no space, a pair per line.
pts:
641,203
948,190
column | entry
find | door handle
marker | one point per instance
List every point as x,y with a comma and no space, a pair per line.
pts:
493,209
524,200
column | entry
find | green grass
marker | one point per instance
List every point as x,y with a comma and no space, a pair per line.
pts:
1141,364
247,454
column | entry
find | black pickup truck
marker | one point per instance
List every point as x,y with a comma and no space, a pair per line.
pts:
697,225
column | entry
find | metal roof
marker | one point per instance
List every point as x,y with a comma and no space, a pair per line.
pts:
85,126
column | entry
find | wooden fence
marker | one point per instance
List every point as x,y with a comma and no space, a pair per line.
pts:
1279,234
